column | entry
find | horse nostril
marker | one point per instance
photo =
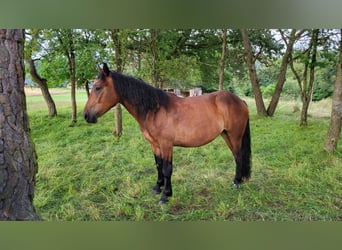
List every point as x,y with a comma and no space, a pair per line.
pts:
89,117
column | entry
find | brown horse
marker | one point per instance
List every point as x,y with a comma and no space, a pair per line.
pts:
167,120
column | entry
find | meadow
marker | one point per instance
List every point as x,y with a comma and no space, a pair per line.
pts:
85,173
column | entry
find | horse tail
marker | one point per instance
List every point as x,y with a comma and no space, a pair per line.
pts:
244,156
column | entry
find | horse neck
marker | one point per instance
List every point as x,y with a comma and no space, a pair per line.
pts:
131,109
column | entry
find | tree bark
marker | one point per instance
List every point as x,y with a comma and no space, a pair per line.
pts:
18,160
43,87
334,132
260,105
223,58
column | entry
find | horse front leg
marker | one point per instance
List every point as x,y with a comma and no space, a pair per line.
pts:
160,181
167,172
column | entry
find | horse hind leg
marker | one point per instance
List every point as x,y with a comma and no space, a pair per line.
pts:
245,154
234,144
164,168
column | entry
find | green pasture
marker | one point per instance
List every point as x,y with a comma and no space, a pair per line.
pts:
87,174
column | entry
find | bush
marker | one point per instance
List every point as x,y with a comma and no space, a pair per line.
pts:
291,89
267,91
321,91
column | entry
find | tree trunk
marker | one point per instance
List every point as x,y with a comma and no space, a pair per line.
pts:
43,87
115,34
117,132
154,59
66,41
86,86
282,74
304,112
223,58
72,67
18,160
334,132
36,77
306,82
307,89
259,102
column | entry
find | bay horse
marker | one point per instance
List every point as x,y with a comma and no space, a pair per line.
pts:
167,120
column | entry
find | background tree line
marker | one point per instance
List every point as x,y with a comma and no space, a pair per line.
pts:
248,62
185,58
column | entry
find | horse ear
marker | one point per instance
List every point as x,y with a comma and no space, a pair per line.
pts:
99,68
105,69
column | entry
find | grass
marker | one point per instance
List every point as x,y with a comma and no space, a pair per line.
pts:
87,174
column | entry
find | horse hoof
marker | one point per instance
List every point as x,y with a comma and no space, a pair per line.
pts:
163,201
236,185
156,190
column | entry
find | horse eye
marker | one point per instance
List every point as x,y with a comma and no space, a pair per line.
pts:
97,88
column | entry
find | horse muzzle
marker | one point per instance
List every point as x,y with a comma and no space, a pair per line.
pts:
89,117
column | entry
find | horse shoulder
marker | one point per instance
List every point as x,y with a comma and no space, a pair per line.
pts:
155,125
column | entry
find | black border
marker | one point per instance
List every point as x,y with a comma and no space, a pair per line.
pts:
171,14
170,235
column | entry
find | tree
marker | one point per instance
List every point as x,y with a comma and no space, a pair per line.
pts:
261,46
117,36
334,132
91,47
18,160
165,58
283,68
223,58
206,46
306,80
153,45
66,38
250,60
42,82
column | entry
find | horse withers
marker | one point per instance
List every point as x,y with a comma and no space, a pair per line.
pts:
167,120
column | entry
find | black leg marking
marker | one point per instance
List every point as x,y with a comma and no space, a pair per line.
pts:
243,159
238,175
167,172
160,181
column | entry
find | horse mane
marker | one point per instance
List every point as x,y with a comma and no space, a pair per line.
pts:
142,96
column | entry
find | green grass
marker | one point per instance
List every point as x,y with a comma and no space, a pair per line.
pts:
87,174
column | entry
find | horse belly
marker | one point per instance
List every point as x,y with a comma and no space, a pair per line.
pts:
193,134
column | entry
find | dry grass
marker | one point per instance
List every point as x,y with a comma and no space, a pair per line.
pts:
53,91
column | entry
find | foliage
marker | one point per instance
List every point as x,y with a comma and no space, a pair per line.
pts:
324,83
267,91
87,174
185,57
56,70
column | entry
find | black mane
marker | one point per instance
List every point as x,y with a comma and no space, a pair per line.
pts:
142,96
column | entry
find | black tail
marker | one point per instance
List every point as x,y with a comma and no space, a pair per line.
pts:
243,160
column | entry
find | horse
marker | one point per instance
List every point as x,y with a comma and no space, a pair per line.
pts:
167,120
